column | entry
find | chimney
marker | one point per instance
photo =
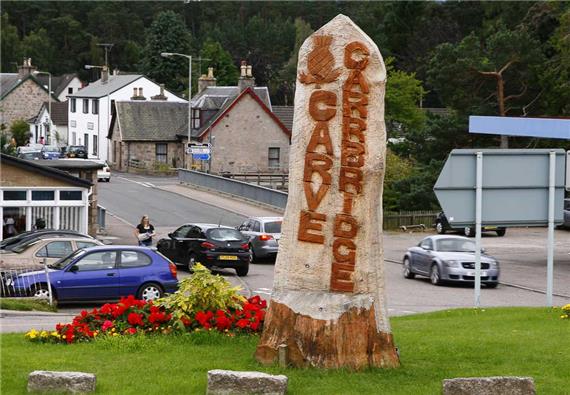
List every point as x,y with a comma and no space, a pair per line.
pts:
138,94
26,68
246,79
160,96
206,80
104,75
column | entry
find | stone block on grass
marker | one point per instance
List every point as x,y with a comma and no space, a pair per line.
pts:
70,382
226,382
502,385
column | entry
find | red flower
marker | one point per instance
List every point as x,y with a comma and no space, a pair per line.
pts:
186,321
107,325
243,323
135,319
132,331
223,322
204,318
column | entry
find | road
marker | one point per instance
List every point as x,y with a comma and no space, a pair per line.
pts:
522,253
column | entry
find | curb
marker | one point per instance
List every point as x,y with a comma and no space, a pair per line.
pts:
33,313
523,287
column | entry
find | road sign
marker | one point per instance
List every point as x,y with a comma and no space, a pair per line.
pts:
519,126
201,156
514,187
198,149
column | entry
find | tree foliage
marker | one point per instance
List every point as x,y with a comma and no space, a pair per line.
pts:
226,72
20,131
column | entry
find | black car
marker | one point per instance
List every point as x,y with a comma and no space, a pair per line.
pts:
77,151
25,237
442,226
34,155
208,244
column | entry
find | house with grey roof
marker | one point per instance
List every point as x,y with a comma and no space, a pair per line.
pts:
90,109
22,94
144,135
62,85
238,122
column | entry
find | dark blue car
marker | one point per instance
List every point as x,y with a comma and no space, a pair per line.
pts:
103,273
51,152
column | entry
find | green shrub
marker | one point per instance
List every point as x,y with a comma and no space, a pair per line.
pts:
202,292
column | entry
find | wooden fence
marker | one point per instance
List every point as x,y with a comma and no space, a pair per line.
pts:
409,218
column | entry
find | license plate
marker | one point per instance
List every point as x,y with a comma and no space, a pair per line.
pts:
483,274
228,258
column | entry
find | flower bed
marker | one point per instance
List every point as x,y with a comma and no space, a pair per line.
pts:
203,302
565,312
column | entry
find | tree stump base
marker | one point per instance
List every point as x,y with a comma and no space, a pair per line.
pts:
326,330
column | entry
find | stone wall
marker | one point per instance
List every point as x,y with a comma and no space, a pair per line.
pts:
145,152
24,102
243,138
12,176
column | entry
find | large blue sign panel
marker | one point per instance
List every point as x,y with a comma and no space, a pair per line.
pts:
530,127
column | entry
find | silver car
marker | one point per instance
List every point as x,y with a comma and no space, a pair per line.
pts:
449,258
264,234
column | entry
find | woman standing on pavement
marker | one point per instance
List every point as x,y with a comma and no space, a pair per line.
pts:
144,232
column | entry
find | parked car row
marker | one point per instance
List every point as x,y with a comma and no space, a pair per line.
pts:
40,151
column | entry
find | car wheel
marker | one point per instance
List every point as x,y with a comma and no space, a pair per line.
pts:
191,262
439,228
434,275
109,179
41,292
468,231
501,232
150,292
492,285
252,258
242,271
407,270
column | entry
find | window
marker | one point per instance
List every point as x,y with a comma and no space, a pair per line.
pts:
95,106
103,260
182,231
256,226
73,105
134,259
273,157
85,244
14,195
224,234
55,249
273,227
85,106
86,142
73,138
195,118
161,153
43,195
70,195
426,244
195,233
95,145
69,91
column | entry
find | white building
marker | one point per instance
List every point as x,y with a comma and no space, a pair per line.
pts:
89,110
61,86
52,128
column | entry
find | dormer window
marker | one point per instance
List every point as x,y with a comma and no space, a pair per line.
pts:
195,118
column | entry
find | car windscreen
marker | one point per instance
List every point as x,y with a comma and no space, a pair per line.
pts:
76,148
273,227
50,149
224,234
63,262
455,245
21,247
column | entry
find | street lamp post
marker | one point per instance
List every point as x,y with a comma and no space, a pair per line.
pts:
189,57
49,95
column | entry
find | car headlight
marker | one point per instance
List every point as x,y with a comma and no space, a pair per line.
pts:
451,263
494,263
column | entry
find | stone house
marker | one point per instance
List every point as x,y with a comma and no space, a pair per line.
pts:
21,94
144,135
90,109
238,122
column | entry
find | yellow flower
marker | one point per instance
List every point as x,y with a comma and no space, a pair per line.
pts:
115,334
44,334
55,334
64,337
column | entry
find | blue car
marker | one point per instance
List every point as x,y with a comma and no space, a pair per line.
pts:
102,273
51,152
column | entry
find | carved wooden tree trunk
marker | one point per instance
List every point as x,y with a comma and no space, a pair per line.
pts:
328,304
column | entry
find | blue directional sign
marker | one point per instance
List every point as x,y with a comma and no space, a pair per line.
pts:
519,126
515,187
201,156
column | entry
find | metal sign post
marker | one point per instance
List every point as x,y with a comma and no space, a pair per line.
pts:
478,210
550,251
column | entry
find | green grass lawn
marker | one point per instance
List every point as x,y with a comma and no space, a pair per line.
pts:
457,343
26,304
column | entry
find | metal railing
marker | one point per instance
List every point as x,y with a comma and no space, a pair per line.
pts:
260,194
26,282
278,181
101,217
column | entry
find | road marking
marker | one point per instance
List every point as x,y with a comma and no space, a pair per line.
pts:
144,184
